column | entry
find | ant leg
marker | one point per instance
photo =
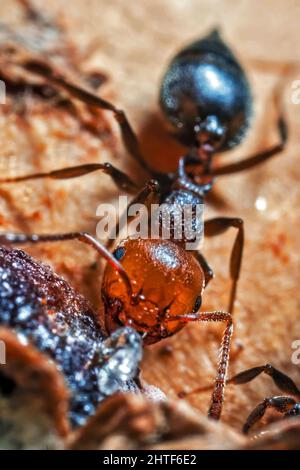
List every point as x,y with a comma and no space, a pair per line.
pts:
295,411
208,272
281,380
128,135
20,239
218,225
121,180
148,195
217,398
281,404
260,157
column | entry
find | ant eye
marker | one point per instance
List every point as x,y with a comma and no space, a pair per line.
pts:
197,304
119,253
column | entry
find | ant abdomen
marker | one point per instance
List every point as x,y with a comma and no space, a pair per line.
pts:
205,91
153,285
166,281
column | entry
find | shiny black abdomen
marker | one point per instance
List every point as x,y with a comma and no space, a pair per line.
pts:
205,80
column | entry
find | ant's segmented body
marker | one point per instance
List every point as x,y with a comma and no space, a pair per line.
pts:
156,286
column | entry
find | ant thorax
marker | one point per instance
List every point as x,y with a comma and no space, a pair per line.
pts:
185,218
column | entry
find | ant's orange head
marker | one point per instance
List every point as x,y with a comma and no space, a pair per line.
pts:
165,280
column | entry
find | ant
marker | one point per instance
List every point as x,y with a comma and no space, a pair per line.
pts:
155,285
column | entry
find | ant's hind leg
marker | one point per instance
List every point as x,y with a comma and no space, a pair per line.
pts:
121,180
54,77
217,226
281,380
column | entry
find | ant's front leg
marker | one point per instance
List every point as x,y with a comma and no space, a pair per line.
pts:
208,272
121,180
217,397
260,157
219,225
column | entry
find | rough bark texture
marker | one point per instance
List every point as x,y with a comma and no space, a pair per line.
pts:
132,44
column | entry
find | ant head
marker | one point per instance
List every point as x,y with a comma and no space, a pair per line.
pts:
165,279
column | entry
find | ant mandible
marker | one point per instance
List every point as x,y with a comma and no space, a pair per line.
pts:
156,285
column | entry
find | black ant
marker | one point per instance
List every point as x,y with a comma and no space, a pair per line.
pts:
155,285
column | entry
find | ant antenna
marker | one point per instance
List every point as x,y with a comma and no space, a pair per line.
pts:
20,238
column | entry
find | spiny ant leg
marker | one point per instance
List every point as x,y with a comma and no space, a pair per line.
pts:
217,226
21,238
148,195
217,398
121,180
208,272
128,135
281,404
260,157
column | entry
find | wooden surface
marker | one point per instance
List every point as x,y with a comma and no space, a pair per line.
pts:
133,42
